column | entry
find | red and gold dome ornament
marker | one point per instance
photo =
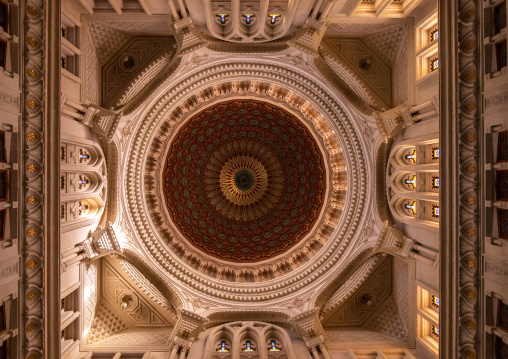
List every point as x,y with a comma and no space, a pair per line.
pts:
244,181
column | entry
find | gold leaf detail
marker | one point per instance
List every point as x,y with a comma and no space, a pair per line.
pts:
31,232
30,327
470,354
471,105
471,168
31,168
31,104
31,136
471,294
471,324
471,200
31,200
470,137
31,73
31,41
471,231
30,264
32,11
471,263
30,296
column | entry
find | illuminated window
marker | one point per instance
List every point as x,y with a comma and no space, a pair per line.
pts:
434,64
83,208
435,153
435,211
435,182
411,181
273,347
273,18
435,331
62,212
248,347
62,182
62,153
411,206
435,301
248,18
411,156
83,156
434,35
223,18
83,181
223,347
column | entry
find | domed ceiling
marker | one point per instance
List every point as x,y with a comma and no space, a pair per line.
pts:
244,181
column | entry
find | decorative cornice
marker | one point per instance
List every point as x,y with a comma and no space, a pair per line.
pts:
303,85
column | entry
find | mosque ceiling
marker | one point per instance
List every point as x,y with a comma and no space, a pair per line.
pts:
244,181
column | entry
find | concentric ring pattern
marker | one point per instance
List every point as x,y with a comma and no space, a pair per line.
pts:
244,181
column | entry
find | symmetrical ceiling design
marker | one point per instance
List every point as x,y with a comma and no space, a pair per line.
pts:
244,181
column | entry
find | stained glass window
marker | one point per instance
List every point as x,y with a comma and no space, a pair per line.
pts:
411,181
273,347
411,206
435,153
411,156
62,182
435,182
435,331
223,18
248,347
435,301
83,208
435,211
434,64
434,35
62,153
83,156
248,18
273,18
83,181
223,347
62,212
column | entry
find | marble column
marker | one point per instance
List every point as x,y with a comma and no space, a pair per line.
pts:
173,352
324,351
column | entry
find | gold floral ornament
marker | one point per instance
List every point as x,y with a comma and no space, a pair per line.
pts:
31,104
471,294
30,264
32,168
31,232
32,10
32,41
31,73
30,296
31,200
30,327
31,136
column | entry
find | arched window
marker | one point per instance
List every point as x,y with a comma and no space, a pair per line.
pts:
274,346
223,347
248,346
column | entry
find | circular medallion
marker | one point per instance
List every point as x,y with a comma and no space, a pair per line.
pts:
244,181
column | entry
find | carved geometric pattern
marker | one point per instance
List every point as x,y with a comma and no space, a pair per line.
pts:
356,336
140,51
388,321
502,147
91,71
354,28
401,70
501,185
91,293
114,288
142,26
377,75
146,338
367,298
106,39
279,214
105,324
353,282
387,42
401,290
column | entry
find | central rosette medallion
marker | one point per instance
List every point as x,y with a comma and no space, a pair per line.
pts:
244,181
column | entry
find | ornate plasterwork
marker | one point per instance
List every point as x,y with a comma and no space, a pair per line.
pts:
90,293
351,285
193,84
106,323
106,39
368,298
359,335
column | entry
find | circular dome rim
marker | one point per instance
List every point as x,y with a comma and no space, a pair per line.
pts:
324,157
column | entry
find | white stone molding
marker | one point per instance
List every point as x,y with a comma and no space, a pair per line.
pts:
205,77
